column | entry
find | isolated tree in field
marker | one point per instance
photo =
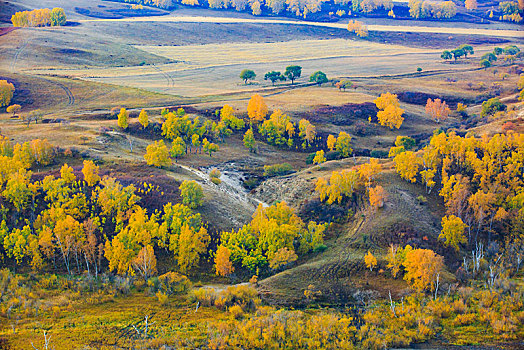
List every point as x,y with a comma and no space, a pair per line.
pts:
157,154
143,118
453,231
319,157
6,92
343,144
446,55
256,109
123,117
370,261
58,17
223,264
377,195
274,77
249,140
90,171
390,113
192,194
318,77
14,109
247,74
209,147
145,262
470,4
422,267
438,110
178,148
293,73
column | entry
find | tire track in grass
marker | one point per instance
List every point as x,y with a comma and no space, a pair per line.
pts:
169,78
69,94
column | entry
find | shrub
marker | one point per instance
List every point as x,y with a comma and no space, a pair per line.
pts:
162,297
277,169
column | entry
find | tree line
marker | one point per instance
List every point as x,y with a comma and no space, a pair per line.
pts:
40,18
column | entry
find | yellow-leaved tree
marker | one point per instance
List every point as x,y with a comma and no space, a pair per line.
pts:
422,267
390,113
256,109
453,231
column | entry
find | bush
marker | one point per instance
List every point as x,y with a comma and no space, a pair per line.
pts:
376,153
492,106
162,297
277,169
170,283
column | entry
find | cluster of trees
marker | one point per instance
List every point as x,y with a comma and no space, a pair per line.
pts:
81,221
342,185
278,129
291,73
430,9
272,239
481,182
7,91
163,4
39,18
188,135
462,50
511,11
511,52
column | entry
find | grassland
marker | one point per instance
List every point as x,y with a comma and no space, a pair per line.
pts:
76,74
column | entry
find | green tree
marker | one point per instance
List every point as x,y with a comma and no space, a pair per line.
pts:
457,53
318,77
192,194
492,106
468,49
293,73
274,77
123,117
484,63
247,74
446,55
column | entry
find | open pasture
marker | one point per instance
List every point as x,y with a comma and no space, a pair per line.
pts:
205,69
